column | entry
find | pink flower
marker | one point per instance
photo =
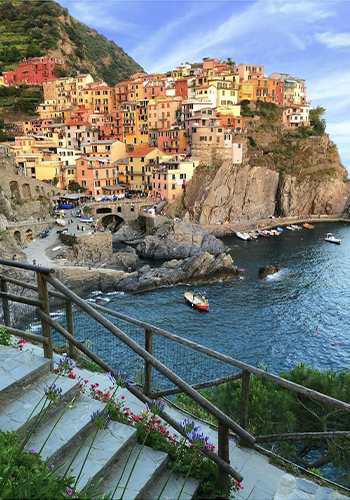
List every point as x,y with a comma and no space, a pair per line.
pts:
122,397
69,491
237,484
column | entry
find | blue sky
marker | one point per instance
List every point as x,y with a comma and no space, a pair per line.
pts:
308,39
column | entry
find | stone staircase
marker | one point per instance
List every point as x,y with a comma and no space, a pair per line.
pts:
23,376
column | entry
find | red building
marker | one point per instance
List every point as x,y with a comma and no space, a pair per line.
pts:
35,70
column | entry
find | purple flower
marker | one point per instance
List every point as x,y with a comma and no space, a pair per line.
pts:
54,393
101,419
156,407
69,491
32,450
52,466
120,378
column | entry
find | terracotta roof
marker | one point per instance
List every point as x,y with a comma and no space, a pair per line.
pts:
142,151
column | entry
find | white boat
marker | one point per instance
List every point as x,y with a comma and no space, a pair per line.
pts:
243,236
290,228
294,226
332,239
61,222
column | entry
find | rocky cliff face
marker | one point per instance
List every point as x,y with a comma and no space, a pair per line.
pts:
281,174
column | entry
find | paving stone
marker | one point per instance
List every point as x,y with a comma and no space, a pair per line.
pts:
299,495
259,493
307,486
285,487
323,493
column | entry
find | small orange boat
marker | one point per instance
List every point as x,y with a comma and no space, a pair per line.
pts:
196,301
308,226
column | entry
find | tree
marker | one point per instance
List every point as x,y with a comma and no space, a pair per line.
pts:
316,120
75,187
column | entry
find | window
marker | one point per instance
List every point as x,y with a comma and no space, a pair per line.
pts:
174,176
173,186
83,172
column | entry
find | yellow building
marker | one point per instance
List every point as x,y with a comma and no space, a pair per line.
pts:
170,177
141,162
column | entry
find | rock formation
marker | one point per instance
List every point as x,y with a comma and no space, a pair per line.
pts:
282,173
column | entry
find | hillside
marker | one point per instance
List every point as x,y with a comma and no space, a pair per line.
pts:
34,28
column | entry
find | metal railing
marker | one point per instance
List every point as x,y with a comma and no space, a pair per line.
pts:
48,289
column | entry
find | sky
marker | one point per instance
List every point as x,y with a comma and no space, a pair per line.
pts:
307,39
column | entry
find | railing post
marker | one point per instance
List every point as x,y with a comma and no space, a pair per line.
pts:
245,402
148,366
5,303
45,327
224,453
70,325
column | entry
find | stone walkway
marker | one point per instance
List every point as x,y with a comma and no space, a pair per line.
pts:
262,480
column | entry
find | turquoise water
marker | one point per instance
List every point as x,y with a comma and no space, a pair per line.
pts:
299,314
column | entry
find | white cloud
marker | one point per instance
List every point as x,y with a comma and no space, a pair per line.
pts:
102,16
333,40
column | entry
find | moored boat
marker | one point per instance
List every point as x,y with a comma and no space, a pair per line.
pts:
279,229
290,228
295,226
308,226
332,239
61,222
243,236
264,234
196,301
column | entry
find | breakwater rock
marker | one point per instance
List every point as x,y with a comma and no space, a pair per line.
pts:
202,268
178,240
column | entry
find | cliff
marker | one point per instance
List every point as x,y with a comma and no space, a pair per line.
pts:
283,173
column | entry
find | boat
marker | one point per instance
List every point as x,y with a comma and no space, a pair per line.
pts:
243,236
86,219
308,226
264,234
295,227
290,228
332,239
253,235
274,232
61,222
196,301
279,229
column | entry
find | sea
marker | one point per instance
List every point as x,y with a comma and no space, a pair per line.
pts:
301,313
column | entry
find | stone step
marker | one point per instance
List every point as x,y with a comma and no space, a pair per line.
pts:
68,428
27,401
18,369
106,452
141,470
173,487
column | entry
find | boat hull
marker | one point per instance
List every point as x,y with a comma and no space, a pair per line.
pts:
196,302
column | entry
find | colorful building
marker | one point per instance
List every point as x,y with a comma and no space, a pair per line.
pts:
36,70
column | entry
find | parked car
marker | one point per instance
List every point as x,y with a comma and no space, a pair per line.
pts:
62,231
44,233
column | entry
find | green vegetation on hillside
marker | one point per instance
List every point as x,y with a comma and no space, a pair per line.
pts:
19,100
36,28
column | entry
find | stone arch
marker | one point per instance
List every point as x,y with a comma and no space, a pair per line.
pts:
26,191
29,234
14,188
17,236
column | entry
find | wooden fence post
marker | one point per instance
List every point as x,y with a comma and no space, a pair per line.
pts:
148,366
5,303
224,453
70,325
45,327
244,402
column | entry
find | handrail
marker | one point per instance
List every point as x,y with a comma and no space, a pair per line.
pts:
222,418
231,361
28,267
142,397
